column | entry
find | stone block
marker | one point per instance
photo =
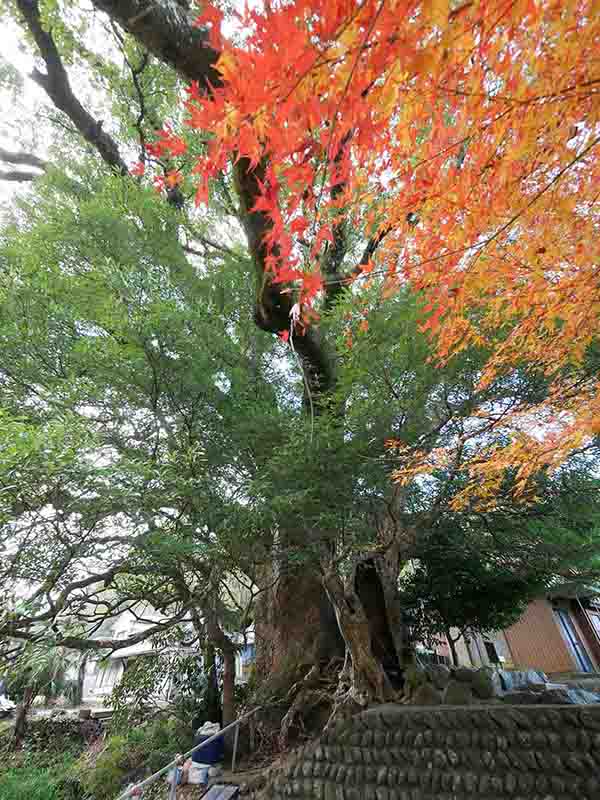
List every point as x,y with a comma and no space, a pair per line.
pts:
522,698
320,769
447,781
526,782
370,774
521,718
439,675
592,785
391,776
317,790
457,694
463,674
379,739
426,695
382,775
502,759
470,781
488,741
483,685
591,719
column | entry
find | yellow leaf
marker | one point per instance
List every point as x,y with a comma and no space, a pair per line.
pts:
438,12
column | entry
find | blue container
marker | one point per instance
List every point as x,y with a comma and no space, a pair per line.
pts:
213,753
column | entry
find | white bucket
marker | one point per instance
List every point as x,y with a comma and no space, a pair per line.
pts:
198,774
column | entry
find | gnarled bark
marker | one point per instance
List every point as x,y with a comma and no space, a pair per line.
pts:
369,681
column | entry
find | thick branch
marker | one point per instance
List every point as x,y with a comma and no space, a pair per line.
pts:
22,158
273,304
12,630
18,175
165,29
55,83
337,282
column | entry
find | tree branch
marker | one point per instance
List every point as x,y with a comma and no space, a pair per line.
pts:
55,82
18,176
22,158
11,630
165,29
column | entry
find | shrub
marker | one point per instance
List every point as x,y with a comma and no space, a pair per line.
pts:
128,756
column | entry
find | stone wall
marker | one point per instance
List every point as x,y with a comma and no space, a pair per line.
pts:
460,686
450,753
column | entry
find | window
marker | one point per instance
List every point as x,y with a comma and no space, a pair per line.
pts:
492,653
429,657
571,637
107,676
595,620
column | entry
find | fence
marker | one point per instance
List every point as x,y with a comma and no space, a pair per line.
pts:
137,789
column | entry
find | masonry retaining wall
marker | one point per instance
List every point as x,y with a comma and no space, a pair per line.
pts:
451,753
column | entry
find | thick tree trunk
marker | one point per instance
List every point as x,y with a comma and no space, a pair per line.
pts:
452,646
214,710
20,727
228,687
296,628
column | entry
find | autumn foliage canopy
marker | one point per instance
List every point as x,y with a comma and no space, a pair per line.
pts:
461,140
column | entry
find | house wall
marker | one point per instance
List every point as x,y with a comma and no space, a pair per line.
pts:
536,641
474,653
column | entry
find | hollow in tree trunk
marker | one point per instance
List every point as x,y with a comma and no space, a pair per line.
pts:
369,681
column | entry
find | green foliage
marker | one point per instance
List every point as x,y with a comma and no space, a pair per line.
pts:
476,572
38,782
40,669
457,585
10,79
127,756
140,692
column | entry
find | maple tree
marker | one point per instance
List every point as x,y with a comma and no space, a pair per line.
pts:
461,139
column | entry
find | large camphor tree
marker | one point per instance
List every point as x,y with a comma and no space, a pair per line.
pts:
398,170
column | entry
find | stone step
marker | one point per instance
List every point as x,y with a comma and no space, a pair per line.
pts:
221,791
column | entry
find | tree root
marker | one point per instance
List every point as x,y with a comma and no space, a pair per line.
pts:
314,690
346,705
